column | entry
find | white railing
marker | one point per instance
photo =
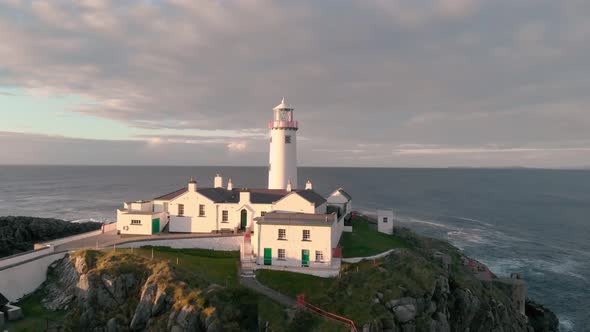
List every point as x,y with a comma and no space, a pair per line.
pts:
282,124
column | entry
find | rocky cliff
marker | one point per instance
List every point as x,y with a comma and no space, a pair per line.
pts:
432,286
121,292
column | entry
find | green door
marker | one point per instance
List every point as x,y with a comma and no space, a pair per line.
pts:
244,219
267,256
156,226
304,257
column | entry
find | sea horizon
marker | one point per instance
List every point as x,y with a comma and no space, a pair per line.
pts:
531,221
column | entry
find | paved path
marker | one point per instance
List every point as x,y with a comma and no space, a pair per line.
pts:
256,286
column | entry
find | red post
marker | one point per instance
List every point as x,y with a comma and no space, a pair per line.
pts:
300,300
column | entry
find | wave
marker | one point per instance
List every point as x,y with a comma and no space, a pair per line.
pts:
566,324
473,220
411,220
84,220
466,237
505,266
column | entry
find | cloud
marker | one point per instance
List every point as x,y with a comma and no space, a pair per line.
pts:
444,151
375,73
237,146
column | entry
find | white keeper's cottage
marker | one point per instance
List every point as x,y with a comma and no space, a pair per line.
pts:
286,227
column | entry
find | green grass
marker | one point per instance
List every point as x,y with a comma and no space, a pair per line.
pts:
36,315
219,267
293,284
364,241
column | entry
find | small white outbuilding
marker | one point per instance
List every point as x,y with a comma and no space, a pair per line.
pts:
385,221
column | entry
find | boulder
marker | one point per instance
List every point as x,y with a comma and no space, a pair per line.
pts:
160,303
440,323
112,325
143,312
405,313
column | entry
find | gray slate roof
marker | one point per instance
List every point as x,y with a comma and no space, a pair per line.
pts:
3,300
344,193
296,218
311,196
257,196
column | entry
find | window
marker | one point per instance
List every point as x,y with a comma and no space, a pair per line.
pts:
288,139
282,255
135,222
306,235
282,234
180,210
262,213
201,210
384,219
224,216
319,256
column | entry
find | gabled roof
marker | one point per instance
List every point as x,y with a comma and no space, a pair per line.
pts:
343,193
311,196
222,195
266,196
171,195
3,300
296,218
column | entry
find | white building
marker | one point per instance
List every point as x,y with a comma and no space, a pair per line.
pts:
288,227
140,218
385,221
292,239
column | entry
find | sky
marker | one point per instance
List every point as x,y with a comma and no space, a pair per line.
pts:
374,83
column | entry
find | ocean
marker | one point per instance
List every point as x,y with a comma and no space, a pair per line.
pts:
536,222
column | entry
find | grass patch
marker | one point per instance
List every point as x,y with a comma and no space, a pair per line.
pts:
364,241
219,267
293,284
36,315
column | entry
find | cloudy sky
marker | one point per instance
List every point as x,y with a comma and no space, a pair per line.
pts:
427,83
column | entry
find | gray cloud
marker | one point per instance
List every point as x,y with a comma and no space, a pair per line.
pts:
365,76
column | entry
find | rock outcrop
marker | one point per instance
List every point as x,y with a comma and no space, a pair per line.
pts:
19,234
116,292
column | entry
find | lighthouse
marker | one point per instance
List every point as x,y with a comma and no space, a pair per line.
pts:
282,168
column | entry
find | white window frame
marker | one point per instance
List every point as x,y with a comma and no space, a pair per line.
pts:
224,216
201,210
282,234
181,210
283,253
308,237
136,222
319,254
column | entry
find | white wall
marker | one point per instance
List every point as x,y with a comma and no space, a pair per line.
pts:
282,159
321,239
213,243
382,226
294,203
17,281
145,228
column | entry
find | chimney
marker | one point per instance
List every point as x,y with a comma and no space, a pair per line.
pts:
289,186
308,185
229,185
192,185
218,181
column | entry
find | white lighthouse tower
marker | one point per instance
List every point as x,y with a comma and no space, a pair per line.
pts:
282,168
